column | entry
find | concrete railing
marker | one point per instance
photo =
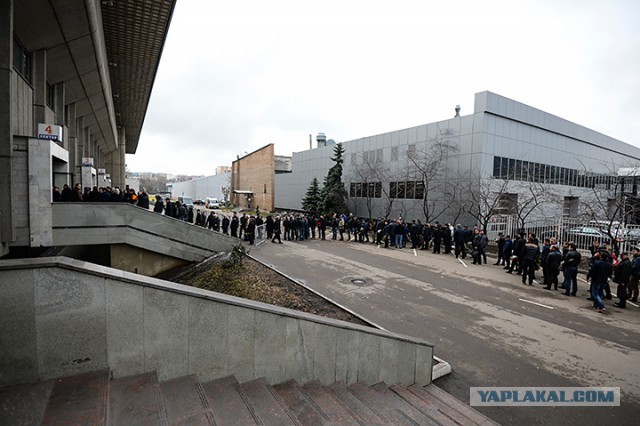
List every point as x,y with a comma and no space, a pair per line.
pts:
121,223
62,317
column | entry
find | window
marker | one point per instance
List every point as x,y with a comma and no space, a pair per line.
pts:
354,159
394,153
393,189
22,60
265,188
496,166
411,150
409,190
419,190
51,96
378,190
379,156
352,189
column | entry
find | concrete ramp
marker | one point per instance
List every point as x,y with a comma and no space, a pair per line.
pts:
137,238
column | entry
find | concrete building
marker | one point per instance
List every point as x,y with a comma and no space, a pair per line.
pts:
252,178
498,151
74,90
217,186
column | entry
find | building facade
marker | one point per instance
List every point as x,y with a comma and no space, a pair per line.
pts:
430,172
253,178
216,186
73,96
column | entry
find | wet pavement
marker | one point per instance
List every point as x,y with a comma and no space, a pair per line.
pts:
492,329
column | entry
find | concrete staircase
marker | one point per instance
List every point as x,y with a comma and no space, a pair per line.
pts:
94,399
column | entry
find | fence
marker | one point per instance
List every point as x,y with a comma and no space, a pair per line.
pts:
565,229
261,233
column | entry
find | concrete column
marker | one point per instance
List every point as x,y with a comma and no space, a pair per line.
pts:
60,118
6,128
39,88
115,161
71,139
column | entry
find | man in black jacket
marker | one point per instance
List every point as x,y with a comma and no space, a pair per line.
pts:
570,265
552,267
621,274
530,254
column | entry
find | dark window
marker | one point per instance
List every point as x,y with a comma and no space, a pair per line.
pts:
496,166
22,60
401,189
393,189
378,190
518,174
512,168
504,169
419,190
352,189
358,190
51,96
409,190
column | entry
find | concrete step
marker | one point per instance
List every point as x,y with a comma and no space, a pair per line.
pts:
452,407
229,403
136,400
337,413
79,399
394,410
300,404
360,410
24,404
269,406
185,401
409,410
432,411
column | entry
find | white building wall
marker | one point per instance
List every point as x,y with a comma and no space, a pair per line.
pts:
499,127
200,189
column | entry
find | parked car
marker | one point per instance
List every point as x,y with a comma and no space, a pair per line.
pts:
212,203
584,236
199,202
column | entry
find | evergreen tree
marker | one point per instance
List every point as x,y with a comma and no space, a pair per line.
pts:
312,202
334,196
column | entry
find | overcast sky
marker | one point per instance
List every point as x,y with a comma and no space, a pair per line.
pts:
238,75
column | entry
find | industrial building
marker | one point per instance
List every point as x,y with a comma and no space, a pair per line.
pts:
431,171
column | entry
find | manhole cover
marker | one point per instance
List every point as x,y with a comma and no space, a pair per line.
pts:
361,281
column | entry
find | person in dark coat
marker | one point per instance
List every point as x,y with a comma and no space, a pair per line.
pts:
158,207
459,241
518,247
437,238
530,254
67,193
500,241
599,274
446,238
552,268
621,275
250,230
225,225
235,223
143,200
276,230
507,251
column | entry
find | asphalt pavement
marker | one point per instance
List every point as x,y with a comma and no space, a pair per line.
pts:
492,329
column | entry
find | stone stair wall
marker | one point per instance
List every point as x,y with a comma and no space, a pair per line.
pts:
63,317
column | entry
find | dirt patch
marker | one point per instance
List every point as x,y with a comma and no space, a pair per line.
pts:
246,278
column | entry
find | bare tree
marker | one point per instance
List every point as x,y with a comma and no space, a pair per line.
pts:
428,164
485,198
611,202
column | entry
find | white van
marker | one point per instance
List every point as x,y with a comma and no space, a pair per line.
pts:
212,203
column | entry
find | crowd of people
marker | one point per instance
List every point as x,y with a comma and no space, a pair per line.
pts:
523,254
